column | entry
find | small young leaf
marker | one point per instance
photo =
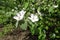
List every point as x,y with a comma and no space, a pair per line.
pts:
24,26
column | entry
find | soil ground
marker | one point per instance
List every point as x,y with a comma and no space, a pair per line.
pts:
19,35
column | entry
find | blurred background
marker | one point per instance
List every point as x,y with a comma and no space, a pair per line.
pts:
48,27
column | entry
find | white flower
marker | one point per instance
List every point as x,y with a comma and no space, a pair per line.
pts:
55,6
20,15
33,18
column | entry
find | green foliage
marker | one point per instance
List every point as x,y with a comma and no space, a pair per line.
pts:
48,23
7,29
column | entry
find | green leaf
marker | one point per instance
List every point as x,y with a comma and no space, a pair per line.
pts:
51,9
38,9
33,0
26,5
24,26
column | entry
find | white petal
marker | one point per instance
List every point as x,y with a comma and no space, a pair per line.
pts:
55,6
17,18
36,19
32,15
18,15
32,20
21,17
22,12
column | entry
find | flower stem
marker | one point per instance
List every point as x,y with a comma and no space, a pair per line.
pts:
17,24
